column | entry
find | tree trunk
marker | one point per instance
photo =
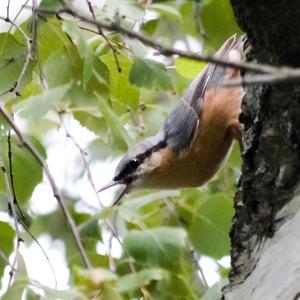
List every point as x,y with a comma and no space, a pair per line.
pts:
265,235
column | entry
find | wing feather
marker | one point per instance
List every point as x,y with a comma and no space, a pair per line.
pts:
180,126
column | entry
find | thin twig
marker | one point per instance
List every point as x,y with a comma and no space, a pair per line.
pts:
277,74
91,181
285,75
83,155
56,192
106,223
167,51
172,209
7,9
42,249
11,175
198,19
15,220
35,48
100,31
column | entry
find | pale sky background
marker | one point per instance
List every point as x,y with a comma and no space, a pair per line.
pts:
61,158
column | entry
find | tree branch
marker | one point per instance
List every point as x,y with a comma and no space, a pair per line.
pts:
11,175
35,48
269,73
56,191
284,75
167,51
7,9
100,31
83,155
15,219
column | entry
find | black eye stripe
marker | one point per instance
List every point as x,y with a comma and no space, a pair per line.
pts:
134,163
131,166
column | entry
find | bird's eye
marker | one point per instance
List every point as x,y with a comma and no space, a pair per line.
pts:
134,163
128,169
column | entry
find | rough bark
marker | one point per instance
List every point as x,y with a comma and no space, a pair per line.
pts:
265,235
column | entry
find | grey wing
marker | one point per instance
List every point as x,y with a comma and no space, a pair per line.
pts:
209,77
180,126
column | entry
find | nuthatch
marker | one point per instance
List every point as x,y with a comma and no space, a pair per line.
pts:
196,137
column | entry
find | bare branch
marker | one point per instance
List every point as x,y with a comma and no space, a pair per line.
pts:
43,251
15,220
56,191
167,51
83,155
7,9
91,181
11,176
284,75
100,31
35,48
198,19
269,73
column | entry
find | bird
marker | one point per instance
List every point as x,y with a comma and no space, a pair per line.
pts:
196,137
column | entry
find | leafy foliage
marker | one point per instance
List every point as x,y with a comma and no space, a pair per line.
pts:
116,91
149,74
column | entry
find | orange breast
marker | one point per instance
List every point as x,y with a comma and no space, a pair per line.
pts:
210,147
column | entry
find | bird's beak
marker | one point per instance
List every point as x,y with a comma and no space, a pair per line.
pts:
123,193
109,185
113,183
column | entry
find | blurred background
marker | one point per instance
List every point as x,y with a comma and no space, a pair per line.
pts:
82,115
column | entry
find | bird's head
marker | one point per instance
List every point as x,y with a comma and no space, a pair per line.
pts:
138,166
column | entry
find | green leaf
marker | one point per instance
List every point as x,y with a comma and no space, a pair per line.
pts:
7,235
37,106
65,66
132,282
91,121
16,290
131,216
51,4
31,295
93,278
51,38
84,49
218,32
166,10
214,292
150,74
54,294
11,61
161,246
108,293
120,87
21,281
189,68
100,71
150,26
90,232
120,138
174,286
209,230
3,195
27,172
127,9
